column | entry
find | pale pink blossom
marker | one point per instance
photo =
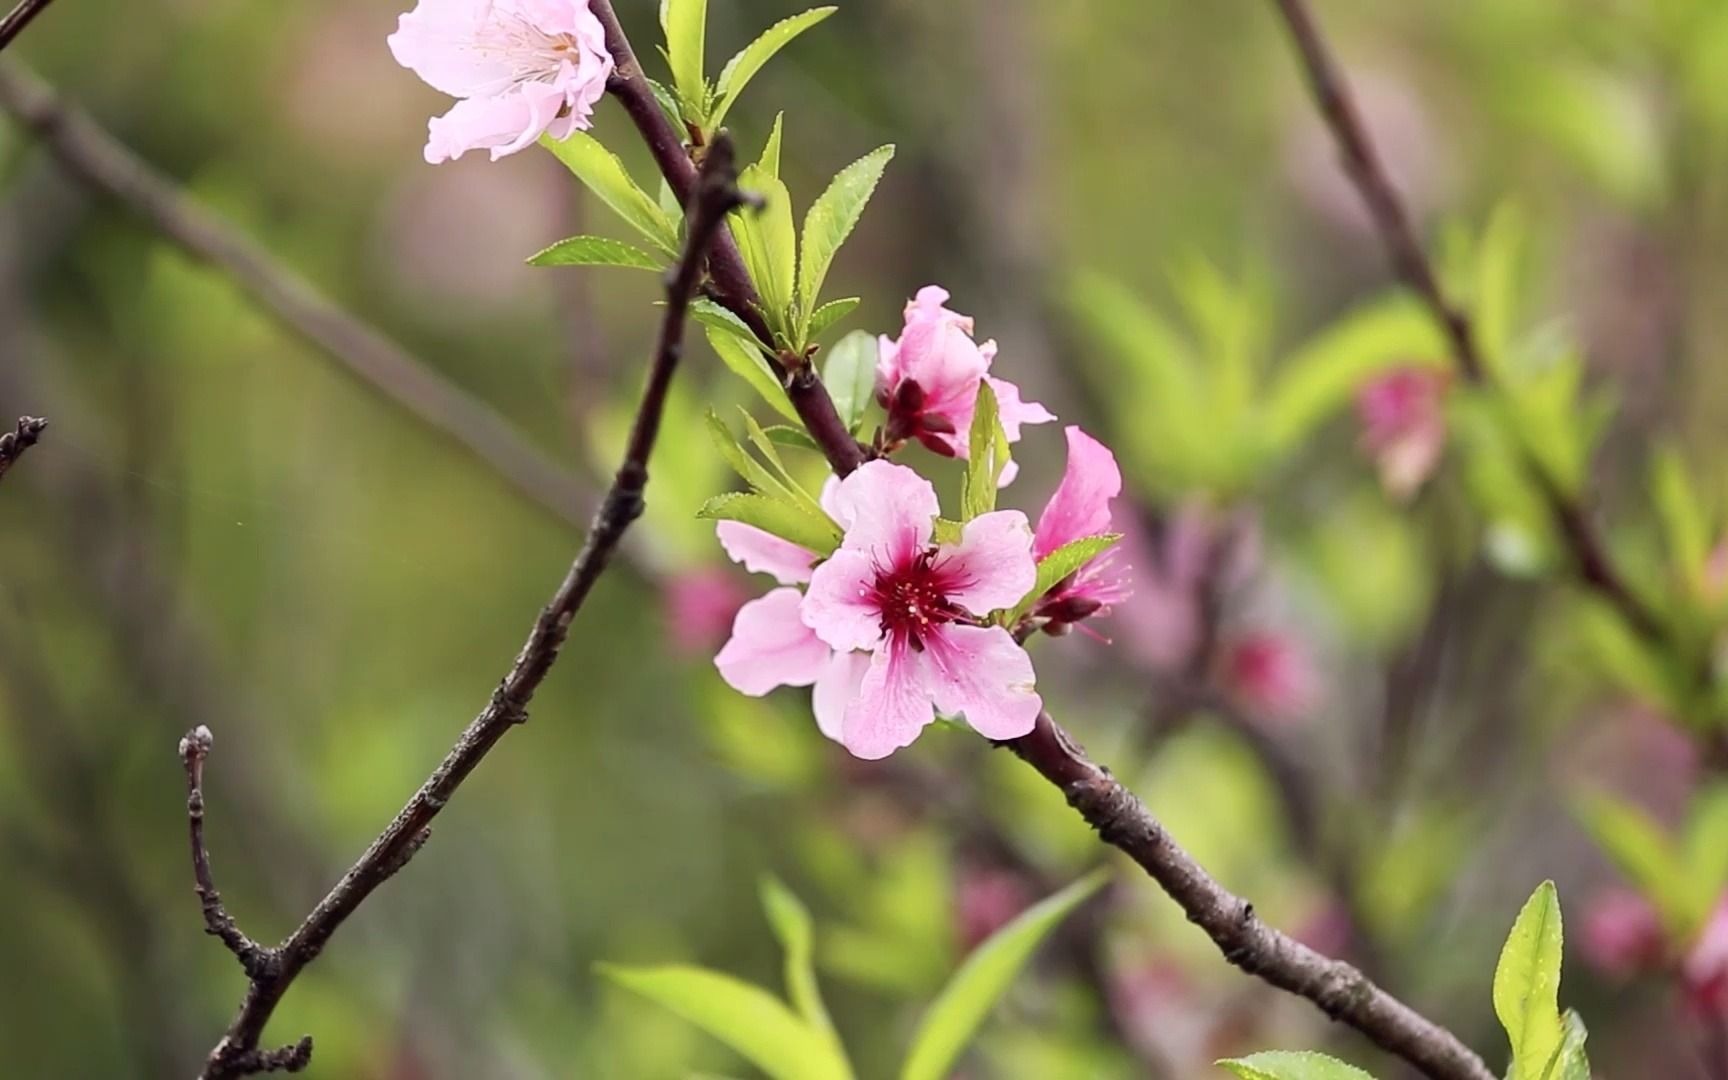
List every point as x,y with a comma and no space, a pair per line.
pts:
1271,675
1080,508
523,68
1404,426
928,380
699,606
918,608
770,646
1623,934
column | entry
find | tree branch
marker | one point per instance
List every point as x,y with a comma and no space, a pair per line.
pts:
1362,164
713,196
731,281
19,18
92,155
1339,990
13,444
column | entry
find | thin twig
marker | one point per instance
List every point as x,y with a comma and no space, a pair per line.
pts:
1121,819
255,959
237,1054
19,18
92,155
21,438
731,283
1362,164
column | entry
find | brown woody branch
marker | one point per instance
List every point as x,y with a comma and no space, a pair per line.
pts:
19,18
104,163
21,438
1121,819
1594,564
273,970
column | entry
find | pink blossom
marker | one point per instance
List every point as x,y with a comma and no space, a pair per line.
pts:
1404,425
1705,969
917,609
1081,508
928,380
1271,675
985,900
700,605
523,68
1623,935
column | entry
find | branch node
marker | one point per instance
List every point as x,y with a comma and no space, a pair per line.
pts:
25,434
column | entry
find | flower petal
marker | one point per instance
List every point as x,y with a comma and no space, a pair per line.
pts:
1081,505
841,605
892,705
437,41
1015,412
836,688
982,673
887,510
992,565
771,647
762,552
504,124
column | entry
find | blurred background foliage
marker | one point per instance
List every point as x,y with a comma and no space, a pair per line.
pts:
1375,706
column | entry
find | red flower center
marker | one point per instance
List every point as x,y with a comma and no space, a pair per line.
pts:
914,598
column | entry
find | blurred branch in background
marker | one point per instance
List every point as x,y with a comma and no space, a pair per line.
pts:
272,971
1594,564
80,145
23,437
19,18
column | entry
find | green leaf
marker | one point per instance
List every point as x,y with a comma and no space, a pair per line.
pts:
784,519
713,315
1706,850
751,471
747,1018
792,926
827,315
669,105
602,173
770,159
1685,523
595,251
748,363
1643,852
742,68
1057,565
831,220
987,456
1292,1065
795,437
948,532
769,242
958,1011
686,23
850,375
765,446
1527,984
1569,1061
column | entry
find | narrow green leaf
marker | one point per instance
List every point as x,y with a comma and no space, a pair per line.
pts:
686,24
769,162
1292,1065
1706,849
602,173
1642,851
747,1018
792,926
827,315
1570,1062
748,363
714,316
987,456
768,242
595,251
831,220
752,472
850,375
948,532
784,519
1057,565
1527,984
1685,523
670,105
958,1011
795,437
765,446
742,68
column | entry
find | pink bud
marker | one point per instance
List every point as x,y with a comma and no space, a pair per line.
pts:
1404,425
1271,675
699,608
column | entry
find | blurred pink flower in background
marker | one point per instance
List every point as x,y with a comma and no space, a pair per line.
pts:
928,380
985,900
1623,934
1704,972
1404,425
700,605
523,68
913,607
1271,675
